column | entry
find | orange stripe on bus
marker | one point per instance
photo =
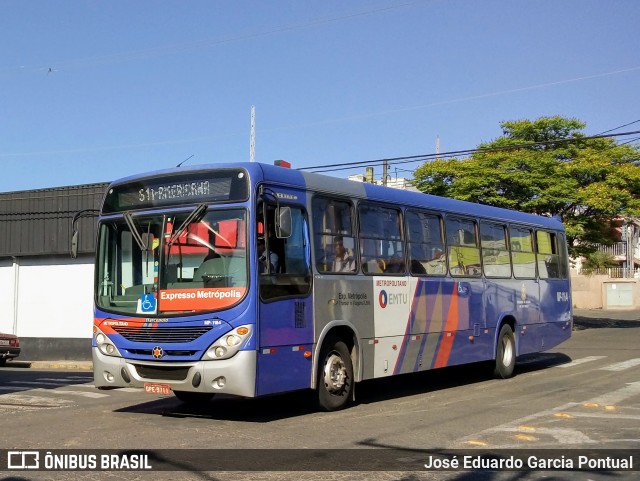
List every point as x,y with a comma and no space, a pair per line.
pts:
449,332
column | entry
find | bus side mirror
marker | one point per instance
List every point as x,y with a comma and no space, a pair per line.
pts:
74,244
283,222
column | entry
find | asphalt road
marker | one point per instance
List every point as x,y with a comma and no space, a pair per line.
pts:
584,395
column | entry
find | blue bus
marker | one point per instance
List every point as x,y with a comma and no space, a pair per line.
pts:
250,279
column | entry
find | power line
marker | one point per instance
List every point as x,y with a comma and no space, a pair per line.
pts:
619,127
455,153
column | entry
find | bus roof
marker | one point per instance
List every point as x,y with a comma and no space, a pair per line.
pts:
353,189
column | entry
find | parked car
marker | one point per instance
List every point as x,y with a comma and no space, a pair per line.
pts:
9,347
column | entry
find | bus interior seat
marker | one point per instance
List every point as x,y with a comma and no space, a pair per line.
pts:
211,270
136,290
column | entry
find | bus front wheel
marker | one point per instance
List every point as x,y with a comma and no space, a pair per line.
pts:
335,375
505,353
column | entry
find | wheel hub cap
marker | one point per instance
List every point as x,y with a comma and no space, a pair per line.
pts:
335,373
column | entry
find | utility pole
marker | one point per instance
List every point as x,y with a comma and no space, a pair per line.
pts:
252,140
385,171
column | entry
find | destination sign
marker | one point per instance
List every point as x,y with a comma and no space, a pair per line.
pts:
227,185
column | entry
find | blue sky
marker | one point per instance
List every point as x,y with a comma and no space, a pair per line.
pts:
91,91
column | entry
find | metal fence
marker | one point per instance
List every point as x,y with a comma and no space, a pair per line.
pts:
619,249
612,272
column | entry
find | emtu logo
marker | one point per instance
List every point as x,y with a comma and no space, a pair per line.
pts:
392,299
383,298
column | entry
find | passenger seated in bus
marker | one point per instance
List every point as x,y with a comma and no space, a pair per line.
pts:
262,259
341,261
394,265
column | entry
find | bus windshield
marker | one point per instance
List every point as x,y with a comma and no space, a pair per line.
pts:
163,264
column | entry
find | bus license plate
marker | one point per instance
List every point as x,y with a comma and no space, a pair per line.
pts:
153,388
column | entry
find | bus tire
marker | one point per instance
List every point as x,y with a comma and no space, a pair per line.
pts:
335,375
190,397
505,353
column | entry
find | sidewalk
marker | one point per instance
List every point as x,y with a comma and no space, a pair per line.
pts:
60,365
610,314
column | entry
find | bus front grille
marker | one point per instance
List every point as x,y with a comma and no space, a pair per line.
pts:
167,352
161,334
168,373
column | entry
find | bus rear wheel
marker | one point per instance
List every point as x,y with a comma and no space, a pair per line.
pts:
335,375
189,397
505,353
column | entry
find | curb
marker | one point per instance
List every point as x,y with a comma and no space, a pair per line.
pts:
61,365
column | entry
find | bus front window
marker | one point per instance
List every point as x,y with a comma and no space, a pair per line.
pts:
178,264
128,259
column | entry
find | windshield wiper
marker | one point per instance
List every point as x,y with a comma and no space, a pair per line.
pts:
195,216
143,243
135,233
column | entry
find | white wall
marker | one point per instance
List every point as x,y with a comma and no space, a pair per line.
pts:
7,291
55,297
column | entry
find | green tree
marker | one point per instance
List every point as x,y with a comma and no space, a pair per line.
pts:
547,167
598,261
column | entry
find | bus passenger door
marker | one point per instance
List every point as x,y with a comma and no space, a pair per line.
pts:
285,324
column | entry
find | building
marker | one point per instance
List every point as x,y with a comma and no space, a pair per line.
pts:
394,182
46,296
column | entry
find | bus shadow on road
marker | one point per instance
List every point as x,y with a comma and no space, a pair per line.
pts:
540,361
447,378
301,403
228,408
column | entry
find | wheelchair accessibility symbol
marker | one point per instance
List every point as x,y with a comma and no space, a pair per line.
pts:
147,304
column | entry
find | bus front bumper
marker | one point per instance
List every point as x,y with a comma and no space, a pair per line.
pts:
234,376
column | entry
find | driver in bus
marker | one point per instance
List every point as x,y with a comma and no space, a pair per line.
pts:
262,259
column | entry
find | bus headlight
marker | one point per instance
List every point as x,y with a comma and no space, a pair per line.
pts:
104,343
229,344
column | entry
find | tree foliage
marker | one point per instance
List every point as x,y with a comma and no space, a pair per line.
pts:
547,167
597,262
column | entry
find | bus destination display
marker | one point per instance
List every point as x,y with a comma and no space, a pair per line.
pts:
220,186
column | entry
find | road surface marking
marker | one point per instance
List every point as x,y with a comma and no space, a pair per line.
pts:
32,401
583,360
621,366
564,435
615,397
94,395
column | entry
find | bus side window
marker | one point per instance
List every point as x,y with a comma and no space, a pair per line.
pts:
462,246
425,241
522,254
495,255
547,254
382,248
334,240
